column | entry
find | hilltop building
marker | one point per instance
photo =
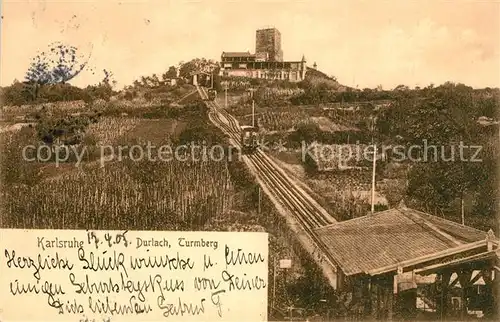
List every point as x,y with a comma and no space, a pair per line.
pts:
268,43
266,63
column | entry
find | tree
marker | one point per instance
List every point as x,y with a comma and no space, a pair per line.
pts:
60,92
444,118
16,94
108,78
155,81
103,90
401,88
442,115
306,132
145,81
197,64
490,104
171,73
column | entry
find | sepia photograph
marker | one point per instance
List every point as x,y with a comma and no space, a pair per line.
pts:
257,160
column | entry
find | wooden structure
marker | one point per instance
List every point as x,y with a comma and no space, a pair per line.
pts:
201,78
379,258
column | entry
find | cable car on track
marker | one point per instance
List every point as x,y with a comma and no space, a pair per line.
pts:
212,94
249,139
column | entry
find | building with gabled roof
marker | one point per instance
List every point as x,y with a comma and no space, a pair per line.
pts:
226,56
373,252
379,243
266,63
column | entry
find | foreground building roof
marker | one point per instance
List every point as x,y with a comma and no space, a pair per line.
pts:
382,242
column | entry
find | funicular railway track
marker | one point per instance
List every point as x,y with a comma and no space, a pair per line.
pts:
292,199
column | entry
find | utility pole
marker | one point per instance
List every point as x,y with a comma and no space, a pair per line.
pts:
259,200
374,166
373,176
253,112
274,282
225,98
462,209
253,107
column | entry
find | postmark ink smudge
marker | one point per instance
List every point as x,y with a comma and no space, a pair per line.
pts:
59,64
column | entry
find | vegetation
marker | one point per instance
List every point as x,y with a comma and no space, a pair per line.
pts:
443,117
136,196
221,195
116,196
441,181
141,195
20,93
67,130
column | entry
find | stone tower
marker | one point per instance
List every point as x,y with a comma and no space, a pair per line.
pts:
269,41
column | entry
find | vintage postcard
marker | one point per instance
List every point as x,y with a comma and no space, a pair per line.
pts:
228,160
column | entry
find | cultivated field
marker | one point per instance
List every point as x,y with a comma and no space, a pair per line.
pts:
144,195
163,194
284,119
123,197
345,193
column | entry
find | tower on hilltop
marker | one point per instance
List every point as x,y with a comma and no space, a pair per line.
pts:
268,43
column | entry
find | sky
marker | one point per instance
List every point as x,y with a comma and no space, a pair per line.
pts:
362,43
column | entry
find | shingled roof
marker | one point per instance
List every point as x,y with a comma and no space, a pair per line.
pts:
384,239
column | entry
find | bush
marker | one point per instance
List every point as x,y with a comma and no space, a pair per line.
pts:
130,95
310,165
66,130
307,132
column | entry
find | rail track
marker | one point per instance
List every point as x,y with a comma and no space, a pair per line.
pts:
291,198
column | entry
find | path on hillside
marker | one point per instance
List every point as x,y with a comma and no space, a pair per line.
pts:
302,212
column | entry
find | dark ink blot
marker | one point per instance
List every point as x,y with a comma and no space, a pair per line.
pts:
59,64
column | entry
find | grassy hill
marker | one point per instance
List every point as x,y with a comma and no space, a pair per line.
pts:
316,78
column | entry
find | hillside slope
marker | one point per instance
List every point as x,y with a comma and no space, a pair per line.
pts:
316,77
